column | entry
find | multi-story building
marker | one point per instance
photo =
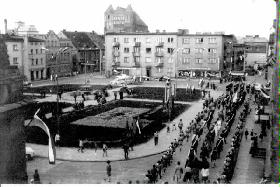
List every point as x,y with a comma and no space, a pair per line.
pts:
239,54
87,50
34,58
256,50
204,53
166,53
15,50
58,56
123,20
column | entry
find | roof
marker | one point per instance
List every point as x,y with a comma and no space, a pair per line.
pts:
253,40
99,40
165,33
115,118
81,39
32,39
12,38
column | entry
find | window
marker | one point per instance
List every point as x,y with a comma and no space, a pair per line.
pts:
169,70
116,49
126,59
199,40
186,40
148,40
186,60
116,59
212,50
31,51
36,61
116,39
32,61
148,50
198,60
186,50
159,49
137,49
170,60
137,59
35,43
159,60
15,47
199,50
212,40
148,59
41,51
212,60
170,50
15,60
126,40
36,51
158,70
159,40
136,39
126,50
170,40
41,60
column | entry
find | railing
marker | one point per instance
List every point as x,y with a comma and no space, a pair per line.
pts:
137,44
136,53
116,53
160,44
116,44
116,64
159,53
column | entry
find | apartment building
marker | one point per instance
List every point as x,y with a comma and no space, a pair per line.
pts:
168,53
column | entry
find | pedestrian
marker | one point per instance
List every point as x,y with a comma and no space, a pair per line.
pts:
57,140
81,146
252,133
214,156
108,170
104,148
178,172
125,149
167,129
156,137
115,95
174,126
188,174
75,97
36,177
180,125
83,96
95,146
246,134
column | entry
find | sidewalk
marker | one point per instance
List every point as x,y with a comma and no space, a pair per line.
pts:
116,154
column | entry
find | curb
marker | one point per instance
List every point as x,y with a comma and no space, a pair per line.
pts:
116,160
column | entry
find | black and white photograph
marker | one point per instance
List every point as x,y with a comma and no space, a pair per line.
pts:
139,92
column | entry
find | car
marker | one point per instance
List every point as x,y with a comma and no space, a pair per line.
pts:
143,78
27,83
164,78
117,82
29,153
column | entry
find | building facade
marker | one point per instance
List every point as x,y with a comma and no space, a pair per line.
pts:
87,50
256,50
166,53
34,58
123,20
58,56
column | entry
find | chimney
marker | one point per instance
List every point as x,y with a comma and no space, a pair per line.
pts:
180,31
6,26
157,31
164,31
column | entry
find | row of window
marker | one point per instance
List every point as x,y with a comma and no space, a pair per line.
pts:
36,43
200,40
169,50
36,51
36,61
170,60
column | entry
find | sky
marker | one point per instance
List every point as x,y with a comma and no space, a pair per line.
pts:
238,17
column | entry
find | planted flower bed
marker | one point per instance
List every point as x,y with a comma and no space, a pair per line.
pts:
157,93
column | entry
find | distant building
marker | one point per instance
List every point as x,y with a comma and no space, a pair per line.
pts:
256,50
58,57
239,55
167,53
88,50
123,20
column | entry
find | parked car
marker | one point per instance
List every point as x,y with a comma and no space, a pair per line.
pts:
143,77
29,153
27,83
164,78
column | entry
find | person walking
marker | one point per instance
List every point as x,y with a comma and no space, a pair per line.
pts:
125,149
156,138
214,156
36,177
178,172
81,146
108,170
104,148
246,134
180,125
57,140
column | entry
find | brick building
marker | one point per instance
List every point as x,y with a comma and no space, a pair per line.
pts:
123,20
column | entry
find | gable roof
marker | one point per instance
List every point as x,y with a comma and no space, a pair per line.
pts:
11,38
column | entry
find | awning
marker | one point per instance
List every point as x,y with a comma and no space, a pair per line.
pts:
237,73
120,68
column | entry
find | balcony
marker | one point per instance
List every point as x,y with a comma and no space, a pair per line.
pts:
136,64
116,64
116,53
159,53
137,44
160,44
116,44
159,65
136,54
31,55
